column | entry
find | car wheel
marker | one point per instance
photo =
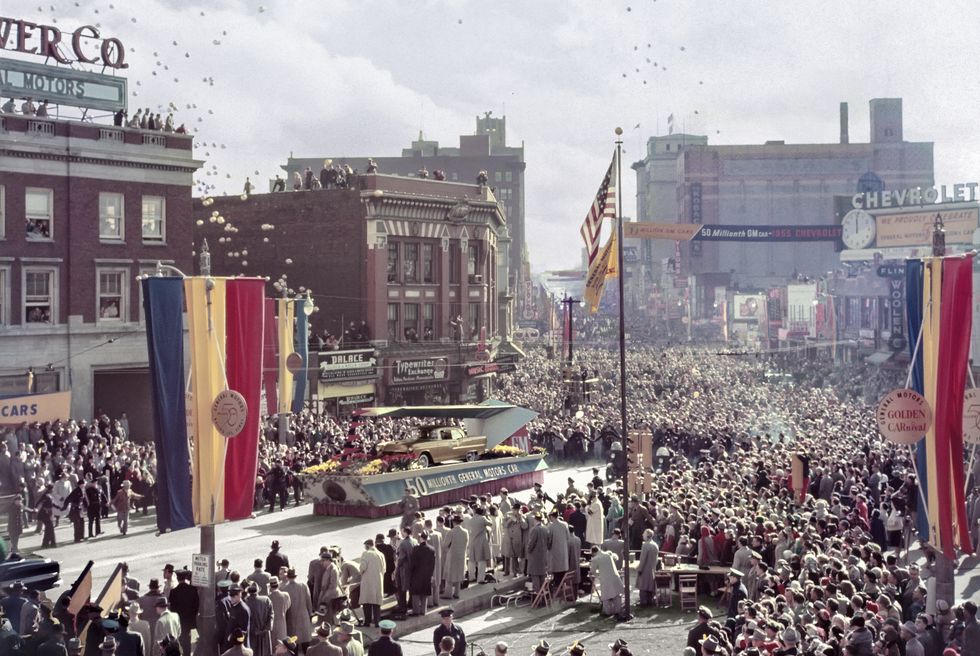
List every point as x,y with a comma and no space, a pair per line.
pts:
425,460
472,456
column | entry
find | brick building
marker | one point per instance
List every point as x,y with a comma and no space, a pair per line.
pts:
84,210
486,150
406,256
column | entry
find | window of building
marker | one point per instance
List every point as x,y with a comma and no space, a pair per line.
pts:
454,264
3,212
474,320
392,261
668,147
154,219
111,295
410,255
496,176
428,263
393,321
39,296
37,210
4,296
111,216
428,321
410,323
509,176
454,176
472,255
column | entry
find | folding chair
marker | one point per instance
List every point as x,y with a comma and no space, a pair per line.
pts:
566,587
543,597
689,591
664,582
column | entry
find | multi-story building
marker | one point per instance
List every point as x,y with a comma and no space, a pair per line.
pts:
418,261
771,184
487,150
84,210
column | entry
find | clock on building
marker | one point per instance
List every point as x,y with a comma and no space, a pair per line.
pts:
858,229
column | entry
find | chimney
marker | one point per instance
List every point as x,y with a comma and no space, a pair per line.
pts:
843,124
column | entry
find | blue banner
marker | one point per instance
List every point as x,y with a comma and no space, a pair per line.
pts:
913,305
163,302
388,488
302,347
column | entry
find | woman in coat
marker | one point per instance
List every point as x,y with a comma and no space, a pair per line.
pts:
596,521
613,515
512,545
456,542
372,583
649,553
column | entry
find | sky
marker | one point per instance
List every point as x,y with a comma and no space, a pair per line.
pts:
260,80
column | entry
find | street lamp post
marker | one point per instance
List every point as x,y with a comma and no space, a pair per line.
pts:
207,643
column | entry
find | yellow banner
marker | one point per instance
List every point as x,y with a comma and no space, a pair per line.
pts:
915,228
207,340
669,231
612,266
595,280
286,346
37,407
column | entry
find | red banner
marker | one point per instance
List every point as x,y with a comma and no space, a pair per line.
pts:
243,364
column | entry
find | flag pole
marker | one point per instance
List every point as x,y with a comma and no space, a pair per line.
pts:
626,615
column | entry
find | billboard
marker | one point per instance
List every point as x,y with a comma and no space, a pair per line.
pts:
915,228
62,86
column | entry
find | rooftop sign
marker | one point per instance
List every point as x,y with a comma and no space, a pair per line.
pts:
49,41
19,79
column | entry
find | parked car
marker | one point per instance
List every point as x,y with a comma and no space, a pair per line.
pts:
436,444
34,573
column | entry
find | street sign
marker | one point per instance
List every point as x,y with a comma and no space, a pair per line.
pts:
202,571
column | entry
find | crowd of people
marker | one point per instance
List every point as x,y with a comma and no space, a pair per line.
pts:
823,566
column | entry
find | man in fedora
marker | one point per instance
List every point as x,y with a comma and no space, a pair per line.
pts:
709,646
237,645
108,646
323,646
343,637
543,648
260,621
232,614
385,644
702,629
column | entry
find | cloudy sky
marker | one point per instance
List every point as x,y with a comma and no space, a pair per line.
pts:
261,79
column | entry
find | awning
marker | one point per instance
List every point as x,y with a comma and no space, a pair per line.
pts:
879,357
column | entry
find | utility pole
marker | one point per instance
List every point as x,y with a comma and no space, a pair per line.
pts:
207,643
571,303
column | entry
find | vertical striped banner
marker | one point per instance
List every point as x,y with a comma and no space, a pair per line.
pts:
914,275
163,305
207,342
285,348
245,329
932,283
270,361
301,346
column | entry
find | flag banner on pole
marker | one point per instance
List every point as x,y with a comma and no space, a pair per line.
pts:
285,324
595,280
301,346
270,358
604,205
207,339
245,328
914,277
945,295
566,329
81,590
163,305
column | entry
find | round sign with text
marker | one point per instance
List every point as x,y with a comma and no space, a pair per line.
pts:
904,416
294,363
971,416
229,412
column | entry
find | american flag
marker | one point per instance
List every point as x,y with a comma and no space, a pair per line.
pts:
603,206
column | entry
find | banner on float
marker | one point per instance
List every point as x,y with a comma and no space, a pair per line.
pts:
36,407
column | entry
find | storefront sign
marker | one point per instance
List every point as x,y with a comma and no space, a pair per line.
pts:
904,416
696,216
419,369
36,407
347,365
62,86
915,228
50,42
359,399
482,368
668,231
896,313
957,193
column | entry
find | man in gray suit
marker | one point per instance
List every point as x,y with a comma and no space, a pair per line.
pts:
537,551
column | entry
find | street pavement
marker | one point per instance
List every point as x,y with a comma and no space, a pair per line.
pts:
300,533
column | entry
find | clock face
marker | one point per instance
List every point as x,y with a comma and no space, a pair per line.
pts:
858,229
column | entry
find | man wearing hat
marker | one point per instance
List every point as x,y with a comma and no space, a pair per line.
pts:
423,563
300,610
168,624
343,637
108,646
543,648
237,645
385,644
148,603
260,579
275,560
456,542
576,649
280,605
323,646
615,647
328,588
449,628
184,601
55,645
605,572
232,614
139,625
13,603
739,594
701,629
536,550
260,621
372,568
130,642
709,645
791,640
500,649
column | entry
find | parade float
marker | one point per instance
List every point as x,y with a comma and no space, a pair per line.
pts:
439,461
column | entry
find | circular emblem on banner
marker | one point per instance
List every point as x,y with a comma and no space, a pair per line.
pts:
229,412
904,416
294,363
971,416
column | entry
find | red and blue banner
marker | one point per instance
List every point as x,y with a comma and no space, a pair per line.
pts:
939,295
